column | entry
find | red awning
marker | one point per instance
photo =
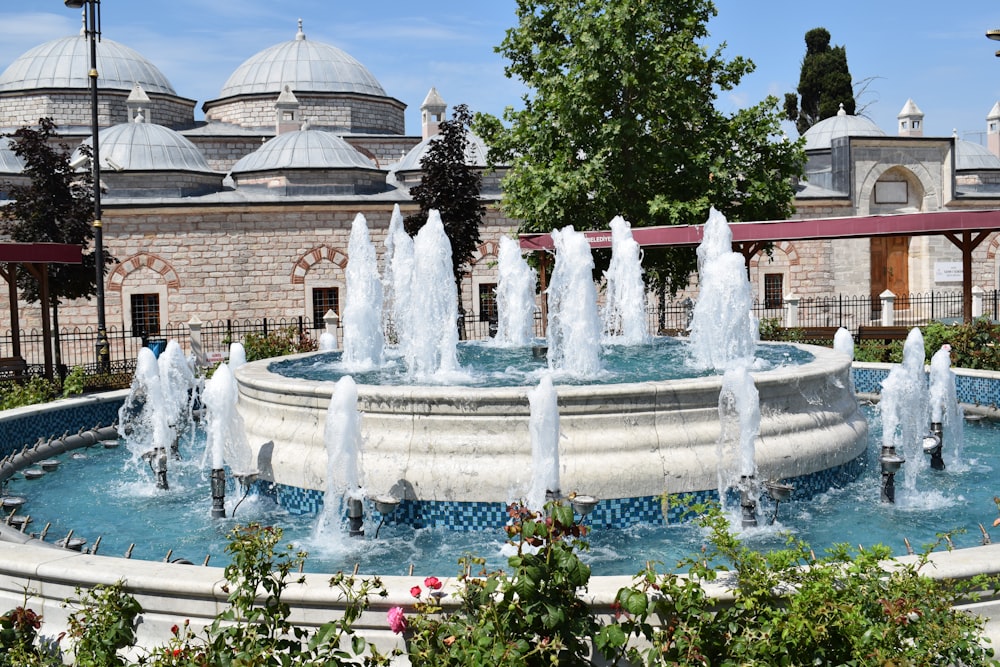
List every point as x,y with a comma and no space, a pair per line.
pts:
41,253
902,224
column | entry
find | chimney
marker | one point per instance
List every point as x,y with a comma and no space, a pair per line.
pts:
432,113
911,120
993,129
286,112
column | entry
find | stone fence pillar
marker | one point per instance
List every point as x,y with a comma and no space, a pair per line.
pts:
977,301
792,310
888,308
332,321
194,327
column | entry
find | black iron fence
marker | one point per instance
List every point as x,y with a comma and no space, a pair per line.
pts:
78,347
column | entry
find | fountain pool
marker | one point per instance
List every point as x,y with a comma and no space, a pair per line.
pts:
957,498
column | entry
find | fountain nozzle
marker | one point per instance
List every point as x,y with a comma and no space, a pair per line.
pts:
582,504
218,493
891,463
933,444
748,500
355,517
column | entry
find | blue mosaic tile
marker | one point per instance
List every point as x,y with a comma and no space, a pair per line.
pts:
25,427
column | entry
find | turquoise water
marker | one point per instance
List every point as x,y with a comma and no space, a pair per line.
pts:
107,495
663,359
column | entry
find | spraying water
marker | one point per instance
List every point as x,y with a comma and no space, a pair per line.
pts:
226,439
180,389
904,408
944,406
433,304
624,313
574,327
143,421
739,421
397,278
543,425
843,342
515,296
363,340
723,331
342,435
237,356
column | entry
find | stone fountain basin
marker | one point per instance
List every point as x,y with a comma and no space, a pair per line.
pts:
470,444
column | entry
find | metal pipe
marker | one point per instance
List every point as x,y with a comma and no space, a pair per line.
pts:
355,517
218,493
937,458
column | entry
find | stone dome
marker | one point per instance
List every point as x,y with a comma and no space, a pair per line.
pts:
304,66
140,146
304,149
970,156
475,153
820,135
65,63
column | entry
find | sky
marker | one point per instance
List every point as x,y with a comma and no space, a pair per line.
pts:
933,52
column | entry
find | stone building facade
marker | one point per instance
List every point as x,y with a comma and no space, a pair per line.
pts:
219,219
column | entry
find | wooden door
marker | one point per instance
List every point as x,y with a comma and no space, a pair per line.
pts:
890,269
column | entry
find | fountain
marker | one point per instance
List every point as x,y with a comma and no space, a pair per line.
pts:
433,443
342,434
946,414
723,331
904,416
624,313
543,425
739,416
515,296
363,341
574,327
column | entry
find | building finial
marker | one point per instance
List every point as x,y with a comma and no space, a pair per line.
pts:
299,36
83,23
840,111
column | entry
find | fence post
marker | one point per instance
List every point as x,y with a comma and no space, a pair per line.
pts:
977,301
332,321
194,330
791,310
888,308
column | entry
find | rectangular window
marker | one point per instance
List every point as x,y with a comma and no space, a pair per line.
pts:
773,290
487,302
145,315
890,192
324,299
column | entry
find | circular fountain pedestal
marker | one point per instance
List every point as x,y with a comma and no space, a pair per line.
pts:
617,441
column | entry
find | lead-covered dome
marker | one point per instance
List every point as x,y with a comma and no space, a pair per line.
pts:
140,146
820,135
65,63
302,65
10,163
304,149
970,156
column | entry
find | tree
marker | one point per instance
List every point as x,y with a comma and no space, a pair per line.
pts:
56,206
620,119
824,83
451,186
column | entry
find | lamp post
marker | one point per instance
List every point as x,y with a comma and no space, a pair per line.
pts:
92,10
995,35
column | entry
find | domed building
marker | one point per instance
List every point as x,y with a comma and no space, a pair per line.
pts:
52,79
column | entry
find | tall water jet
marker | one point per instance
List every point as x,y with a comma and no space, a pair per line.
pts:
543,425
143,421
237,356
398,275
574,326
843,342
226,440
723,331
515,296
624,313
946,414
180,391
904,408
363,339
432,309
739,421
342,435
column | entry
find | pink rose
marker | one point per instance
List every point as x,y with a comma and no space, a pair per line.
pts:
432,583
397,620
415,591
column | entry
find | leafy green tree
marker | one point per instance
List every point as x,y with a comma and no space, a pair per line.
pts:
55,206
620,119
824,83
451,186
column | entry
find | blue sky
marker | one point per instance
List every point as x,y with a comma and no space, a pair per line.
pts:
932,51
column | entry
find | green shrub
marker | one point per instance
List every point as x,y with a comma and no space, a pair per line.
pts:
277,343
16,394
